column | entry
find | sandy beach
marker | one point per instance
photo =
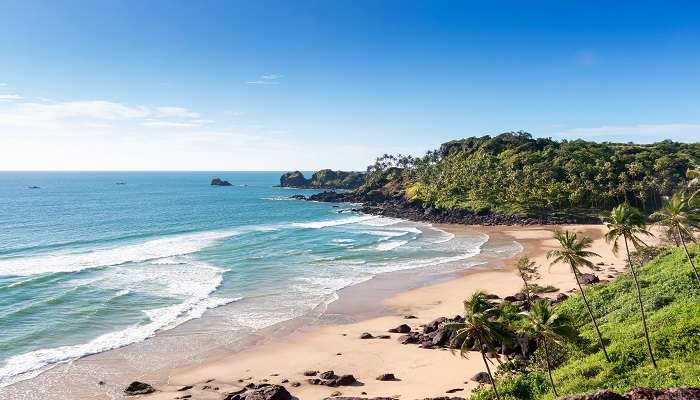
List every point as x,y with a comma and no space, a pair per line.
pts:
420,372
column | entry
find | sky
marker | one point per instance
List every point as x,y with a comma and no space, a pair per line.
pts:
284,85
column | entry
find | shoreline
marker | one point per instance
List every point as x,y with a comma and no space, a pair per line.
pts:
421,373
317,338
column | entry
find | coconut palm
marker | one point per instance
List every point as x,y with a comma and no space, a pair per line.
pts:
528,272
480,327
679,215
573,252
627,223
548,328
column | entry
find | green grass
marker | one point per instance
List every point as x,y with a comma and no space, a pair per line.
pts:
671,299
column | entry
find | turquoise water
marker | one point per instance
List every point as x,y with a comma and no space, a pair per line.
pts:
88,265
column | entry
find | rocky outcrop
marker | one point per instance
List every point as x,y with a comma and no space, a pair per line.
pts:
261,392
386,377
220,182
293,179
589,279
136,388
481,377
323,179
376,203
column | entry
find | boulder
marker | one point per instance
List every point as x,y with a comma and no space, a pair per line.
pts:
220,182
136,388
561,297
589,279
433,325
403,328
345,380
327,375
268,392
366,335
663,394
310,373
442,337
481,377
386,377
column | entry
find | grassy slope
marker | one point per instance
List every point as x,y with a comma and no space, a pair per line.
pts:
672,302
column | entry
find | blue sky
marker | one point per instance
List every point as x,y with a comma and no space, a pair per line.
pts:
277,85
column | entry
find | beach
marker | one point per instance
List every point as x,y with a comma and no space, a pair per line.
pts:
420,373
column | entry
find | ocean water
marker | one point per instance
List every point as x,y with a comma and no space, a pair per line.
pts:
88,265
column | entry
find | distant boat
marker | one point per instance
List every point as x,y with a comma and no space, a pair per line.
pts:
33,187
121,183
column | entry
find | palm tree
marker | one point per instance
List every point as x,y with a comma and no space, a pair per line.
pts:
528,272
573,252
548,327
679,215
481,328
627,222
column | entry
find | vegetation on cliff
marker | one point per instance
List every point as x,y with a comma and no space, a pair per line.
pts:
513,173
323,179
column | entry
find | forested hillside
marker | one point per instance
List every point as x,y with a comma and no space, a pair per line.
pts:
513,173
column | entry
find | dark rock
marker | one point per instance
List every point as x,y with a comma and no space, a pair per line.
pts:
492,296
663,394
327,375
520,296
366,335
220,182
310,373
403,328
345,380
413,337
442,337
561,297
481,377
336,394
589,279
410,317
269,392
454,390
137,387
295,384
298,197
187,387
314,381
101,383
386,377
510,298
433,325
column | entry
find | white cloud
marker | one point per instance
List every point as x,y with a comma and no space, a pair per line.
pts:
3,84
10,97
95,109
177,112
267,79
203,121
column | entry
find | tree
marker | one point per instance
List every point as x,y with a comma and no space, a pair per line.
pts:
679,215
481,328
573,252
548,327
528,273
627,223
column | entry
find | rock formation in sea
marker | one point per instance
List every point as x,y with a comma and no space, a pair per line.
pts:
220,182
323,179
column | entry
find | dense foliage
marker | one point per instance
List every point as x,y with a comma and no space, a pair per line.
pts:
513,173
323,179
672,300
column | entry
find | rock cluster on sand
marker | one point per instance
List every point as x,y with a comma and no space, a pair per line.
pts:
220,182
261,392
329,378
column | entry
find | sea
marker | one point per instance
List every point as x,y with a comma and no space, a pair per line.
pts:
94,261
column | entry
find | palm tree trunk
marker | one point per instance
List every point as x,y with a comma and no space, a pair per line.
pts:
692,264
493,381
641,305
527,290
590,312
549,367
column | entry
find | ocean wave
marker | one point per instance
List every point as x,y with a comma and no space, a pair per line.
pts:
27,365
390,245
77,261
333,222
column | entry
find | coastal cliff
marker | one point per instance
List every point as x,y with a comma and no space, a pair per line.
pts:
323,179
